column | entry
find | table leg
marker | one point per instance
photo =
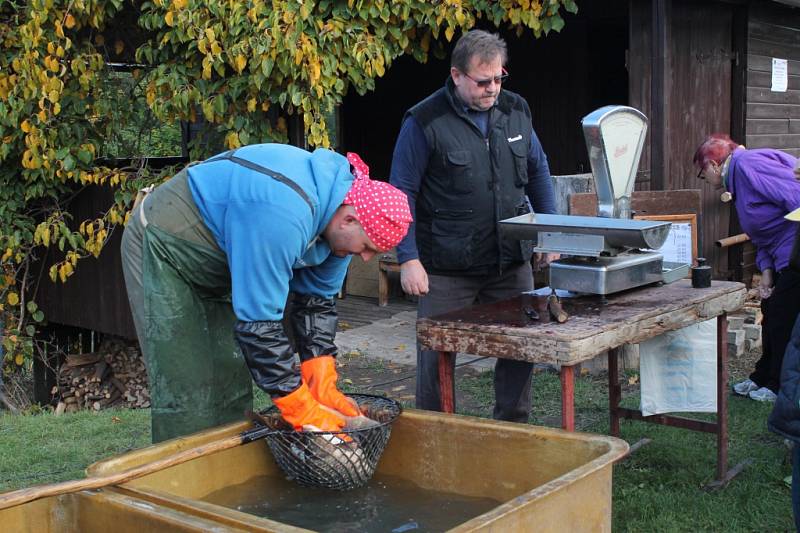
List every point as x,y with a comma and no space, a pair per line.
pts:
447,389
568,397
614,390
722,396
383,287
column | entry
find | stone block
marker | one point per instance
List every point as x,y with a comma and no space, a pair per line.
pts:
736,336
752,331
735,322
735,350
752,344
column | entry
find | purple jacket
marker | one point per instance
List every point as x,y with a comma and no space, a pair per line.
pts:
764,189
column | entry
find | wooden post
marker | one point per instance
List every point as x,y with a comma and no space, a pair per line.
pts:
446,382
568,397
722,396
614,390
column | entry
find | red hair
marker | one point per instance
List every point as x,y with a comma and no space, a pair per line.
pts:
717,147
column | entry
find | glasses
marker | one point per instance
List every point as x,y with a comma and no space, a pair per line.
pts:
483,84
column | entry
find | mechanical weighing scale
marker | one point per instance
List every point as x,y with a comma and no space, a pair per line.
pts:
610,252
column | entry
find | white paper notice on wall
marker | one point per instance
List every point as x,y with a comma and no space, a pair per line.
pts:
678,246
780,75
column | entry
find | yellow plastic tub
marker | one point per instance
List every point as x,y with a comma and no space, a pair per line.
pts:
546,479
100,512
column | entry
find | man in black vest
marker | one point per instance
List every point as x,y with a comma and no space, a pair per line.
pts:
467,157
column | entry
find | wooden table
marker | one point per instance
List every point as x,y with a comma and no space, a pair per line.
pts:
596,324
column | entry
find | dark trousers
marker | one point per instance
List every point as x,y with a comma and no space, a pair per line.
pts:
780,311
512,379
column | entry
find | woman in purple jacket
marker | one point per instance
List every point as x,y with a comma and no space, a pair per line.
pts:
764,189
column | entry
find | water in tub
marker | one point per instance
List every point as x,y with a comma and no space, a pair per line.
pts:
387,504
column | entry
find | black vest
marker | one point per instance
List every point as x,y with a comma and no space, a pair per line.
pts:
471,183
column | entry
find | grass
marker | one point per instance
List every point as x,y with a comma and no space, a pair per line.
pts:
659,488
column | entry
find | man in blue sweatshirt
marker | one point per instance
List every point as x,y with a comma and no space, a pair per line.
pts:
213,254
467,157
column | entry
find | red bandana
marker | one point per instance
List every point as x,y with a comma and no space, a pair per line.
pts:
381,208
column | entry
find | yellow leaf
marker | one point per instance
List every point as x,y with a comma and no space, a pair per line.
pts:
56,108
69,21
241,62
180,4
216,49
25,126
12,298
119,46
251,105
169,19
210,35
448,33
19,359
232,140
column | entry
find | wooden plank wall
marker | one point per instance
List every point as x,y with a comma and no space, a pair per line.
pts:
94,297
695,87
773,118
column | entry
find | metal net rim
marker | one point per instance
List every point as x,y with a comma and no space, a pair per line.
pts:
393,409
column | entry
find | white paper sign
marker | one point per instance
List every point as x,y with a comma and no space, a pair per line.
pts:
780,75
678,246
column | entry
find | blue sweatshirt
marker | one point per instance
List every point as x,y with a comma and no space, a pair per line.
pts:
267,230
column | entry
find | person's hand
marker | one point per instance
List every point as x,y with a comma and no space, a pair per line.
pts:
766,285
302,411
541,260
413,278
319,373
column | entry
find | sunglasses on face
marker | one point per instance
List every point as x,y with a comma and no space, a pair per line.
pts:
483,84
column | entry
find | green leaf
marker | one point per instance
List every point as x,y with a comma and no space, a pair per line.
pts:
30,330
38,316
85,156
69,163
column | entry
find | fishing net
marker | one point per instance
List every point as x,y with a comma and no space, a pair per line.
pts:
342,460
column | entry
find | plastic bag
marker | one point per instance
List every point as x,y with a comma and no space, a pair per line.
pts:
678,370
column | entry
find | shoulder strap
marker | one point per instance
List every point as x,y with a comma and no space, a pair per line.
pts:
231,156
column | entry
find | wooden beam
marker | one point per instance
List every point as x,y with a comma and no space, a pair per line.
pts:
659,90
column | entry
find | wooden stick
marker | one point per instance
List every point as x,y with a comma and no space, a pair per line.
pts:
730,241
18,497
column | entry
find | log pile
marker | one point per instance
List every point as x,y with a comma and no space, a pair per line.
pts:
113,376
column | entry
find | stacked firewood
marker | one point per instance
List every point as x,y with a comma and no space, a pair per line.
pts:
114,376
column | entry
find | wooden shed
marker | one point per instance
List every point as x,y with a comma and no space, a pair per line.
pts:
693,67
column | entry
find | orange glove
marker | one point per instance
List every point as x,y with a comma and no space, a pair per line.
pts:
300,409
320,374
